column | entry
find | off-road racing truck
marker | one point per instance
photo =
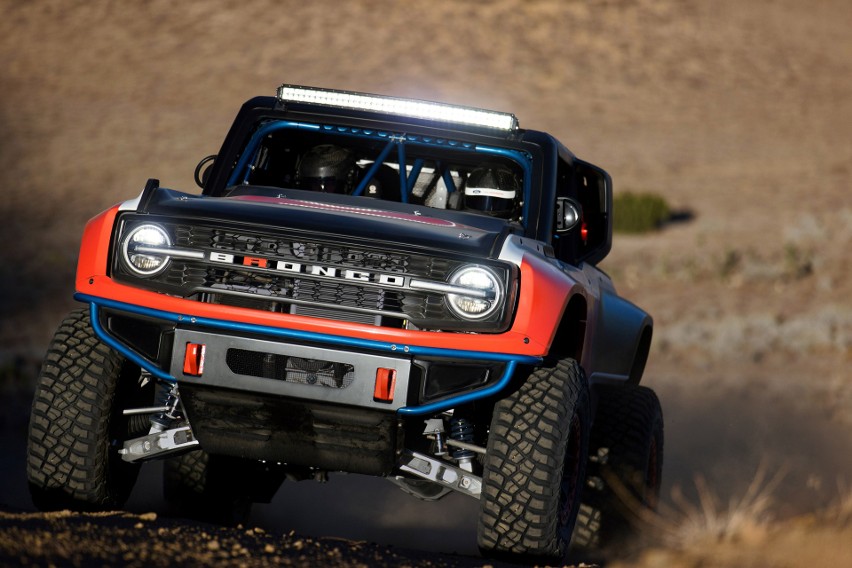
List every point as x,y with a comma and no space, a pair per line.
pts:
365,284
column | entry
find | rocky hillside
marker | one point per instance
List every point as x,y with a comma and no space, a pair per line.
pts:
738,113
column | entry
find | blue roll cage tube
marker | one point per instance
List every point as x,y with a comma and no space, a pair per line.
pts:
398,140
511,361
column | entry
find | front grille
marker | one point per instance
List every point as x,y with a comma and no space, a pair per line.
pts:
298,294
316,298
310,250
290,369
275,272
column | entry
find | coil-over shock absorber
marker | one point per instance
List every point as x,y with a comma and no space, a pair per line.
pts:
461,430
169,401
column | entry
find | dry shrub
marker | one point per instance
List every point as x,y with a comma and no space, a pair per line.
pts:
840,512
686,524
639,212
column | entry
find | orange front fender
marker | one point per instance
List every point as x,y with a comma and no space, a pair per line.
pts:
94,249
545,291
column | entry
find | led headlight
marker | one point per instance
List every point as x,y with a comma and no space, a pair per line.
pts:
486,292
145,249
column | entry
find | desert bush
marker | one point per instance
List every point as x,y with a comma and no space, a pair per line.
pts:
840,511
797,263
639,212
687,523
730,262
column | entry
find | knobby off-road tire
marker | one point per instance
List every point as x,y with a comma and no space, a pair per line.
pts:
535,466
625,468
205,487
76,424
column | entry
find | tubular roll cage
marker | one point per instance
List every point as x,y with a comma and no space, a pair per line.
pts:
242,170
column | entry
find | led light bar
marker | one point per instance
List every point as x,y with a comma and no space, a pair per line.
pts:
403,107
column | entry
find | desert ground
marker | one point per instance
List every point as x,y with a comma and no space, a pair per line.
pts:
738,113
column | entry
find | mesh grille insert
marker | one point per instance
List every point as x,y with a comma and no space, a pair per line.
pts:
313,372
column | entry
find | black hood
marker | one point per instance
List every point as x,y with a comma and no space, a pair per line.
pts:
339,216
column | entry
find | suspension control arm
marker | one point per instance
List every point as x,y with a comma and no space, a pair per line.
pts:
160,444
441,472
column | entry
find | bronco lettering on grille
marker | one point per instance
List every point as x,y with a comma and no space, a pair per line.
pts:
309,269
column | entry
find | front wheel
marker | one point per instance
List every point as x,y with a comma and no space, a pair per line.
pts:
535,466
77,424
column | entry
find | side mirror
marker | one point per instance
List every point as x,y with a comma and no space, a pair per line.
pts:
595,195
583,223
202,170
569,213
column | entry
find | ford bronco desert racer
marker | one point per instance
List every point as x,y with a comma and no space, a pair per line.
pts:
370,285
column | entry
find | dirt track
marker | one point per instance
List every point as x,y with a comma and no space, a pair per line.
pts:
125,539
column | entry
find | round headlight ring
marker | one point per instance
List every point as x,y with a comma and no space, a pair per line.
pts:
479,278
145,263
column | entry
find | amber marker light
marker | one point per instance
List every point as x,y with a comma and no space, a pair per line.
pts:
385,385
193,359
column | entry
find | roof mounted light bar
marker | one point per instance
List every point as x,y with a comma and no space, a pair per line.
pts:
411,108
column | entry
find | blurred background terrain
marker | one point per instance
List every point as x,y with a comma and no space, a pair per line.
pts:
739,114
